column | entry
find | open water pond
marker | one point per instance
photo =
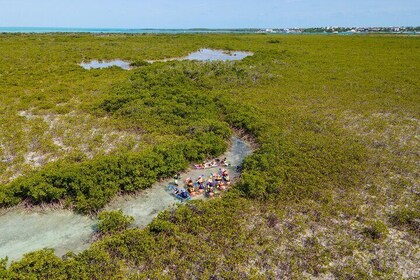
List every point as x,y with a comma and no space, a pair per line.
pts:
96,64
217,55
207,55
26,231
200,55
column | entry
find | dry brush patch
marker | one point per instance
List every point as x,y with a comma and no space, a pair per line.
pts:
36,140
393,188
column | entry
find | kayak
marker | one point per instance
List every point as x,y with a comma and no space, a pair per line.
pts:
181,198
198,166
206,166
178,196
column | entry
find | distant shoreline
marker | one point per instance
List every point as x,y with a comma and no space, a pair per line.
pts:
121,30
342,31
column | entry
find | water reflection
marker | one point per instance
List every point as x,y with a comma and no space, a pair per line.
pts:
96,64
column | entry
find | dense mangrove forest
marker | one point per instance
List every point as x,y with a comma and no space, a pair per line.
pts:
331,189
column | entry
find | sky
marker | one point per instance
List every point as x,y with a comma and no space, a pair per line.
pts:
207,14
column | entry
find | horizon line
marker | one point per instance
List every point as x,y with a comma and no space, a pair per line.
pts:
210,28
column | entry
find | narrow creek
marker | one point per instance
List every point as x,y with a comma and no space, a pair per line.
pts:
23,231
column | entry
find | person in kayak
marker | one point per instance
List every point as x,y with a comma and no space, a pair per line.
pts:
209,189
217,178
200,183
222,186
176,178
224,162
210,181
190,187
176,191
184,194
225,176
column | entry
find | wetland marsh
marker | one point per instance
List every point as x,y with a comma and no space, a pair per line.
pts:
331,191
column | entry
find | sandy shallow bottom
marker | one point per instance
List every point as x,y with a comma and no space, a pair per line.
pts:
23,232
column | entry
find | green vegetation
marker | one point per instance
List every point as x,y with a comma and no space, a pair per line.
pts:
113,222
332,190
376,230
139,63
407,218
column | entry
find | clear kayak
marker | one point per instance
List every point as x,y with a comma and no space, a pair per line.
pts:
208,165
178,194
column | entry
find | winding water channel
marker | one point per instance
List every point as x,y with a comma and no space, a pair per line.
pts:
23,231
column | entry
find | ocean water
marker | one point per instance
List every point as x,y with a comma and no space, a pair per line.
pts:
119,30
164,31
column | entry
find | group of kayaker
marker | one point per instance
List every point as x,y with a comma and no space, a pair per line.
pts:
211,164
218,181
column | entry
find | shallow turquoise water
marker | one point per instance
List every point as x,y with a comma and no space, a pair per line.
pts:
120,30
156,31
23,232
